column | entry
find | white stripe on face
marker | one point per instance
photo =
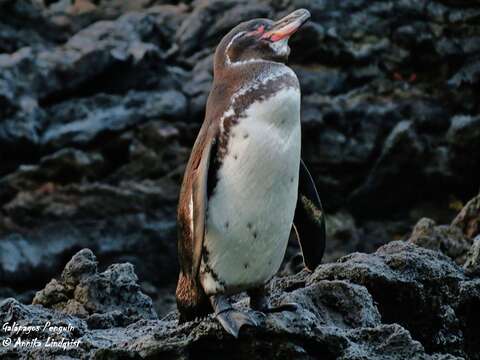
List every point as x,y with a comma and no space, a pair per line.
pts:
229,62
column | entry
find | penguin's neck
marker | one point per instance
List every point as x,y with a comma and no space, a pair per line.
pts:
259,74
251,85
235,88
251,73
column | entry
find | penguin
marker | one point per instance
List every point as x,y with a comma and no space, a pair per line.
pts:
245,189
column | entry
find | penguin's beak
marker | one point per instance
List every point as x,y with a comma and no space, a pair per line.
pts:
285,27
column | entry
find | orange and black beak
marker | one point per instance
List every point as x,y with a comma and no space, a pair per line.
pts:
287,26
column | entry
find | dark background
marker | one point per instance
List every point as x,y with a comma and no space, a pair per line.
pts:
100,102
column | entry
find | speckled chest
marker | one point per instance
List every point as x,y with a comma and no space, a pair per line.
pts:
251,210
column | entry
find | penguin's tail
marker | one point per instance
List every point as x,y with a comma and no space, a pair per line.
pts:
192,302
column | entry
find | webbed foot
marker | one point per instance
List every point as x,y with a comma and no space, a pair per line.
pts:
232,320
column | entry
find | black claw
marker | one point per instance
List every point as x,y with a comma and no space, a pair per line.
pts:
233,320
292,307
260,313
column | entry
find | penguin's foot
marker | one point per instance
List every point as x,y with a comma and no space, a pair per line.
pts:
259,302
232,320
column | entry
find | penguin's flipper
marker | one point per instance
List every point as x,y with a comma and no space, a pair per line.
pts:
309,220
199,199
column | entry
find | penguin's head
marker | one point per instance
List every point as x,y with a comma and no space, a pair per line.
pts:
259,39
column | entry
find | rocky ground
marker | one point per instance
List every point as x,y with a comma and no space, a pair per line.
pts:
100,102
412,299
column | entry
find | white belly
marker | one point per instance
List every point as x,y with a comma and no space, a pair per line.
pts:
251,211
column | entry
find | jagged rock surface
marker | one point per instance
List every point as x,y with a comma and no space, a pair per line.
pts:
375,306
472,263
112,296
444,238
